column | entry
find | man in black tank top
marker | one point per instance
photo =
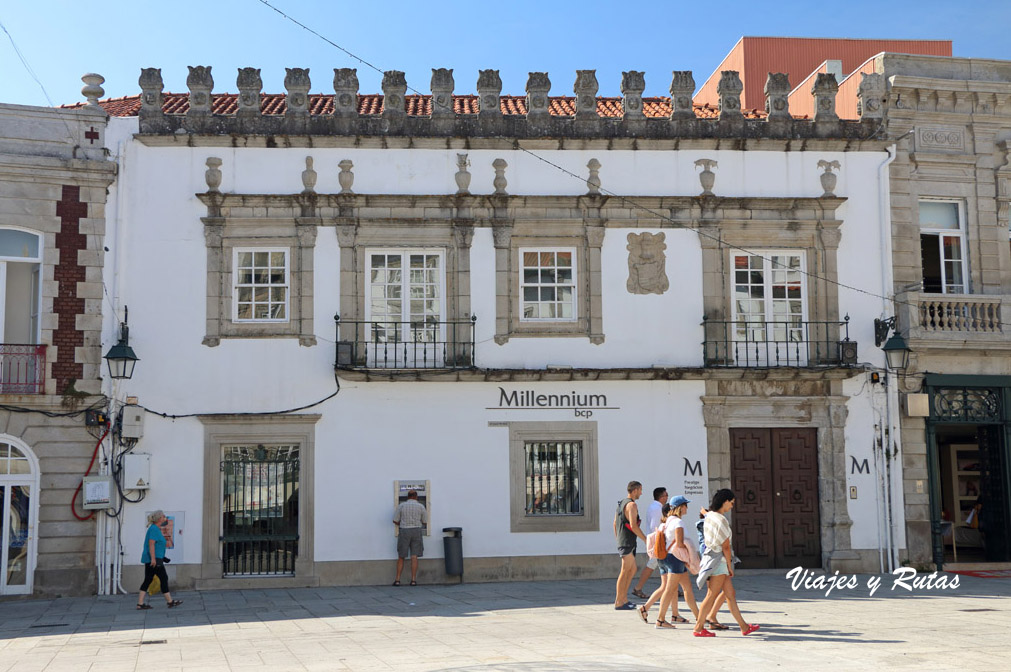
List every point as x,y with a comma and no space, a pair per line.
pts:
626,530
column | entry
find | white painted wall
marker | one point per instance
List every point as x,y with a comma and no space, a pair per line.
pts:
374,433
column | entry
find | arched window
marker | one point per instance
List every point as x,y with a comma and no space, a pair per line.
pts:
19,487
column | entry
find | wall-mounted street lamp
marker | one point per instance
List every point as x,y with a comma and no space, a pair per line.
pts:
121,358
896,349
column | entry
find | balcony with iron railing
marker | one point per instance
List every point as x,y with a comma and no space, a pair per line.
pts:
421,345
787,343
22,369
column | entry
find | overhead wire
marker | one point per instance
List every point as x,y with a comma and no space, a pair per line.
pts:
623,199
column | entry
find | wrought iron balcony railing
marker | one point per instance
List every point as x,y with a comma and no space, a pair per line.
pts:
744,343
422,344
22,369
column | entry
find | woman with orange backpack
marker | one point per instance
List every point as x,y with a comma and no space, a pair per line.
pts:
669,536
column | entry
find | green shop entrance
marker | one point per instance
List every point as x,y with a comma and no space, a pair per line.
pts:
968,439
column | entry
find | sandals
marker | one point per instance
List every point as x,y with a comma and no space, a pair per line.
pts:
713,625
664,625
644,613
679,619
751,628
704,633
396,583
174,603
638,593
414,583
142,607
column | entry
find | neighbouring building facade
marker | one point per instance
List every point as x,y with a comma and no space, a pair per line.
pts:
54,177
514,304
950,190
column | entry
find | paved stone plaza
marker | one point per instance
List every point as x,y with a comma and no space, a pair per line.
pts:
558,625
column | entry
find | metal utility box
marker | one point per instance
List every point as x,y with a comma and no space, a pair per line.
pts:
133,422
136,471
96,492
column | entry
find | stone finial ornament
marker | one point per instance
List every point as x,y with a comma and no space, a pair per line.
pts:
825,89
462,176
309,177
151,87
586,88
707,177
647,263
777,95
297,84
92,89
538,87
489,90
442,92
593,181
828,178
682,86
729,89
213,173
346,178
200,83
394,90
250,85
345,88
871,96
500,182
633,83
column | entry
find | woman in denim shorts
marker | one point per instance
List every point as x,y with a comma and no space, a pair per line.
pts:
671,568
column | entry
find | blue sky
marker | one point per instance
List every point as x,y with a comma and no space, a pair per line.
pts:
61,39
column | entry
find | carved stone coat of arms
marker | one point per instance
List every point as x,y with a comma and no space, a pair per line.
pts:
647,263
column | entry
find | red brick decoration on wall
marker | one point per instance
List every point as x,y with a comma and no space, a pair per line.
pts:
68,272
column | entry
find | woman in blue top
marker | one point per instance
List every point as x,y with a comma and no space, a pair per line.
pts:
153,558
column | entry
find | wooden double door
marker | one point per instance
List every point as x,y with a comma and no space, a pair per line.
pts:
774,476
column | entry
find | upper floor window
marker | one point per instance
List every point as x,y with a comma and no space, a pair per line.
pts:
942,247
769,294
20,263
261,285
548,284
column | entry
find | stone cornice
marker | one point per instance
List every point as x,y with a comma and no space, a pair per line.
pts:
19,167
864,143
619,374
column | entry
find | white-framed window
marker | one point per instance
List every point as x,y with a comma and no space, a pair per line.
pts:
548,284
942,247
769,301
405,308
261,289
20,265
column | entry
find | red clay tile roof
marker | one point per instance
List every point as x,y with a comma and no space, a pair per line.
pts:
321,103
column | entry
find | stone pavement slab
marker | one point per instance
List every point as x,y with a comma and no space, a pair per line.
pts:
511,627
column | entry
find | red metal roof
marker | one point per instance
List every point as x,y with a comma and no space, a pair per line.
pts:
755,57
417,105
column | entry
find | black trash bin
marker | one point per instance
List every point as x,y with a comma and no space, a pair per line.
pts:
452,544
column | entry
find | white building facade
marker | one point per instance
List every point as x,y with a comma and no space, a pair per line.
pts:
518,313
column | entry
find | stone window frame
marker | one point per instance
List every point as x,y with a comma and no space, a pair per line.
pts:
962,233
816,237
584,432
586,241
224,236
224,430
364,236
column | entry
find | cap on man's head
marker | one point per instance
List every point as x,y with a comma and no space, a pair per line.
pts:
678,501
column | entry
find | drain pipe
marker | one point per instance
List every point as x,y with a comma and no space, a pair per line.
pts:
878,510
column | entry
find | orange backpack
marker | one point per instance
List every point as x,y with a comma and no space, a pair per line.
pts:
660,544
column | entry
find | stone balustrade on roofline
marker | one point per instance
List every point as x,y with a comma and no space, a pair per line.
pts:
486,114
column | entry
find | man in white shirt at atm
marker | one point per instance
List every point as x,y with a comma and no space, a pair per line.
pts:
652,522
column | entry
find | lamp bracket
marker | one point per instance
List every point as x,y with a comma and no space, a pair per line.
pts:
881,329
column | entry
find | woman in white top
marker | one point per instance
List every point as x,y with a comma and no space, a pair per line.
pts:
671,568
721,571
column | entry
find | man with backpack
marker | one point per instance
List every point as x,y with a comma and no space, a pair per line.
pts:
626,530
